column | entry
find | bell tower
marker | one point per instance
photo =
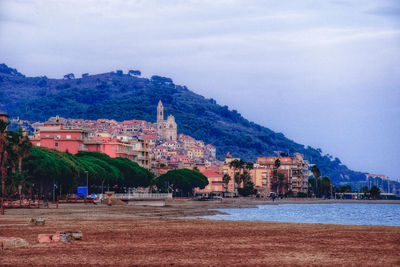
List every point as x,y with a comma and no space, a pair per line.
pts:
160,112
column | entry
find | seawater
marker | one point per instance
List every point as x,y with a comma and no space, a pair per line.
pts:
355,214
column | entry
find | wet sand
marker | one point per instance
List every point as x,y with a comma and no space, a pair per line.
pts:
130,235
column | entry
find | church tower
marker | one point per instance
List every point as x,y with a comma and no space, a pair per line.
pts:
166,129
160,112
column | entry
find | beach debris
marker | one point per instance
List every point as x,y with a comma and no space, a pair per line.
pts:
12,242
37,221
75,235
64,237
45,238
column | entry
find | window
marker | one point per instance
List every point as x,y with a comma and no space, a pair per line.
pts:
38,144
56,144
216,188
68,136
112,147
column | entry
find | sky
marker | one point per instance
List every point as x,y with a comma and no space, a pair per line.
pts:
324,73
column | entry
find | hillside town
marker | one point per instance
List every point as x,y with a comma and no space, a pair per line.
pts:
159,148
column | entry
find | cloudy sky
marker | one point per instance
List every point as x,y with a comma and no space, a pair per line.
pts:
324,73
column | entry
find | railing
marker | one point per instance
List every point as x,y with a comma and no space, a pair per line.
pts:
144,196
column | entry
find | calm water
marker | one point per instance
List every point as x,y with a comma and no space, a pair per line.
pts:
359,214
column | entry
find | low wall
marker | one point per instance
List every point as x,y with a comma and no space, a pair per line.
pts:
155,203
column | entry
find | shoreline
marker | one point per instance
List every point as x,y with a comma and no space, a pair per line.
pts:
175,208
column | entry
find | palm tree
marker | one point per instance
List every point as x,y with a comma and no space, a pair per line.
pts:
280,183
23,149
18,147
375,192
326,185
249,165
3,159
226,178
276,166
316,173
237,166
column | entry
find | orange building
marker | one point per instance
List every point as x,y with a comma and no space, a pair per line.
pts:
216,185
295,169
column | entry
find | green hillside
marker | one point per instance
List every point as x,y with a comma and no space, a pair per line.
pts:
120,96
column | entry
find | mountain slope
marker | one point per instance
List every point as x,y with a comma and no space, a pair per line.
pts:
124,97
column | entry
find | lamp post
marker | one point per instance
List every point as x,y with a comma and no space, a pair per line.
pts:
87,182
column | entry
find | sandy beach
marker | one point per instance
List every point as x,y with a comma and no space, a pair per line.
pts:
124,235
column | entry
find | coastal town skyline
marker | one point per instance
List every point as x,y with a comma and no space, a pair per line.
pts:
159,147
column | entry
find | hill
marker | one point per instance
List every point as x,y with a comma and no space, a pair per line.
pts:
119,96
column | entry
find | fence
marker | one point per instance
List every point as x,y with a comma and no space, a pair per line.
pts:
142,196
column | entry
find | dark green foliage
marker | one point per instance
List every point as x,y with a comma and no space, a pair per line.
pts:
45,165
343,189
375,192
302,195
182,180
248,189
119,170
125,97
323,187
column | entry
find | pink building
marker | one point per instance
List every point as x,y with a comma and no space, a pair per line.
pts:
55,136
72,140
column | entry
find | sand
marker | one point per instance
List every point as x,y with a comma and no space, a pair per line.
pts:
130,235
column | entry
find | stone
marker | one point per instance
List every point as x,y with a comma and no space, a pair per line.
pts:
13,242
44,238
73,235
37,221
65,238
55,238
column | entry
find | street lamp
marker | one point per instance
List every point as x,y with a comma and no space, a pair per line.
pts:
87,182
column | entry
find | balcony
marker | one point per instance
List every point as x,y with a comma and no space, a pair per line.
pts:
217,182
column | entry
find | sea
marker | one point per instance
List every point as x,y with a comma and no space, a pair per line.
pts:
337,213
